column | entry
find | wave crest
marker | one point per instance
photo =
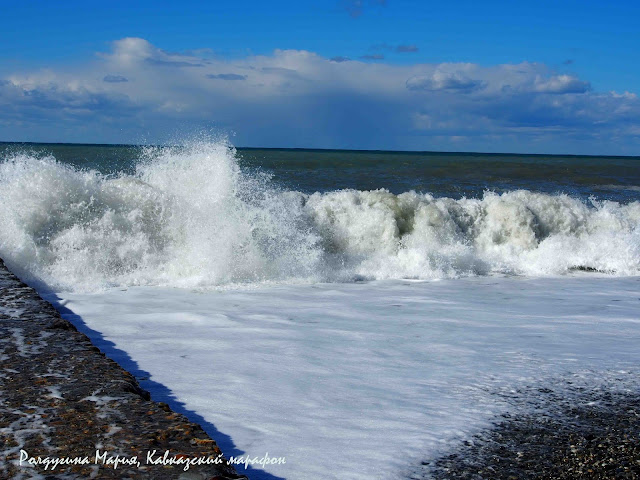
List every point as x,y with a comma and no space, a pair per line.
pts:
191,217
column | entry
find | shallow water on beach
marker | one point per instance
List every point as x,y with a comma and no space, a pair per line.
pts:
364,380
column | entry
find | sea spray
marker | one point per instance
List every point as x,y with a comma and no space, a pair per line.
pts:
190,216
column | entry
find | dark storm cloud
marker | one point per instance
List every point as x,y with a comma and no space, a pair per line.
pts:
171,63
375,56
114,79
227,76
58,103
385,47
453,82
406,49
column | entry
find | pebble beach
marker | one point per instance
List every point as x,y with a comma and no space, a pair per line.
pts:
67,411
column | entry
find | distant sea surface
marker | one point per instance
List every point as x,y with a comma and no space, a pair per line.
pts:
453,175
207,214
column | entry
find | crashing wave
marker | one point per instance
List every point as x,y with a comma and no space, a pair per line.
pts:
190,216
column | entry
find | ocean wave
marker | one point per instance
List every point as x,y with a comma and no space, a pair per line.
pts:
631,188
191,217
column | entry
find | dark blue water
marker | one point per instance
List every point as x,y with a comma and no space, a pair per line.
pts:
453,175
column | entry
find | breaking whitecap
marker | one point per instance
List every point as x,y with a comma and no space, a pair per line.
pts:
190,216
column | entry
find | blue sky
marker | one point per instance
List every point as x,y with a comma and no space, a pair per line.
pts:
557,77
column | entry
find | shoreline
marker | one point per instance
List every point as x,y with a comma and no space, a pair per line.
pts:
571,430
63,400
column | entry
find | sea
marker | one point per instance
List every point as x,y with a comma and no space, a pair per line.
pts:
351,314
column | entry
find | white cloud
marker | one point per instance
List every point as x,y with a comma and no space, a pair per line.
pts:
298,98
627,95
439,80
226,76
560,84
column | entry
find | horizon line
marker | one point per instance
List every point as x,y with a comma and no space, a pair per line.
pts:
305,149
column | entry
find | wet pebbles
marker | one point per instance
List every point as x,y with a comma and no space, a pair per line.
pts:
565,432
61,398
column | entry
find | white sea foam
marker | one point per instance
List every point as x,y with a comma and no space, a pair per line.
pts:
320,372
191,217
364,380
